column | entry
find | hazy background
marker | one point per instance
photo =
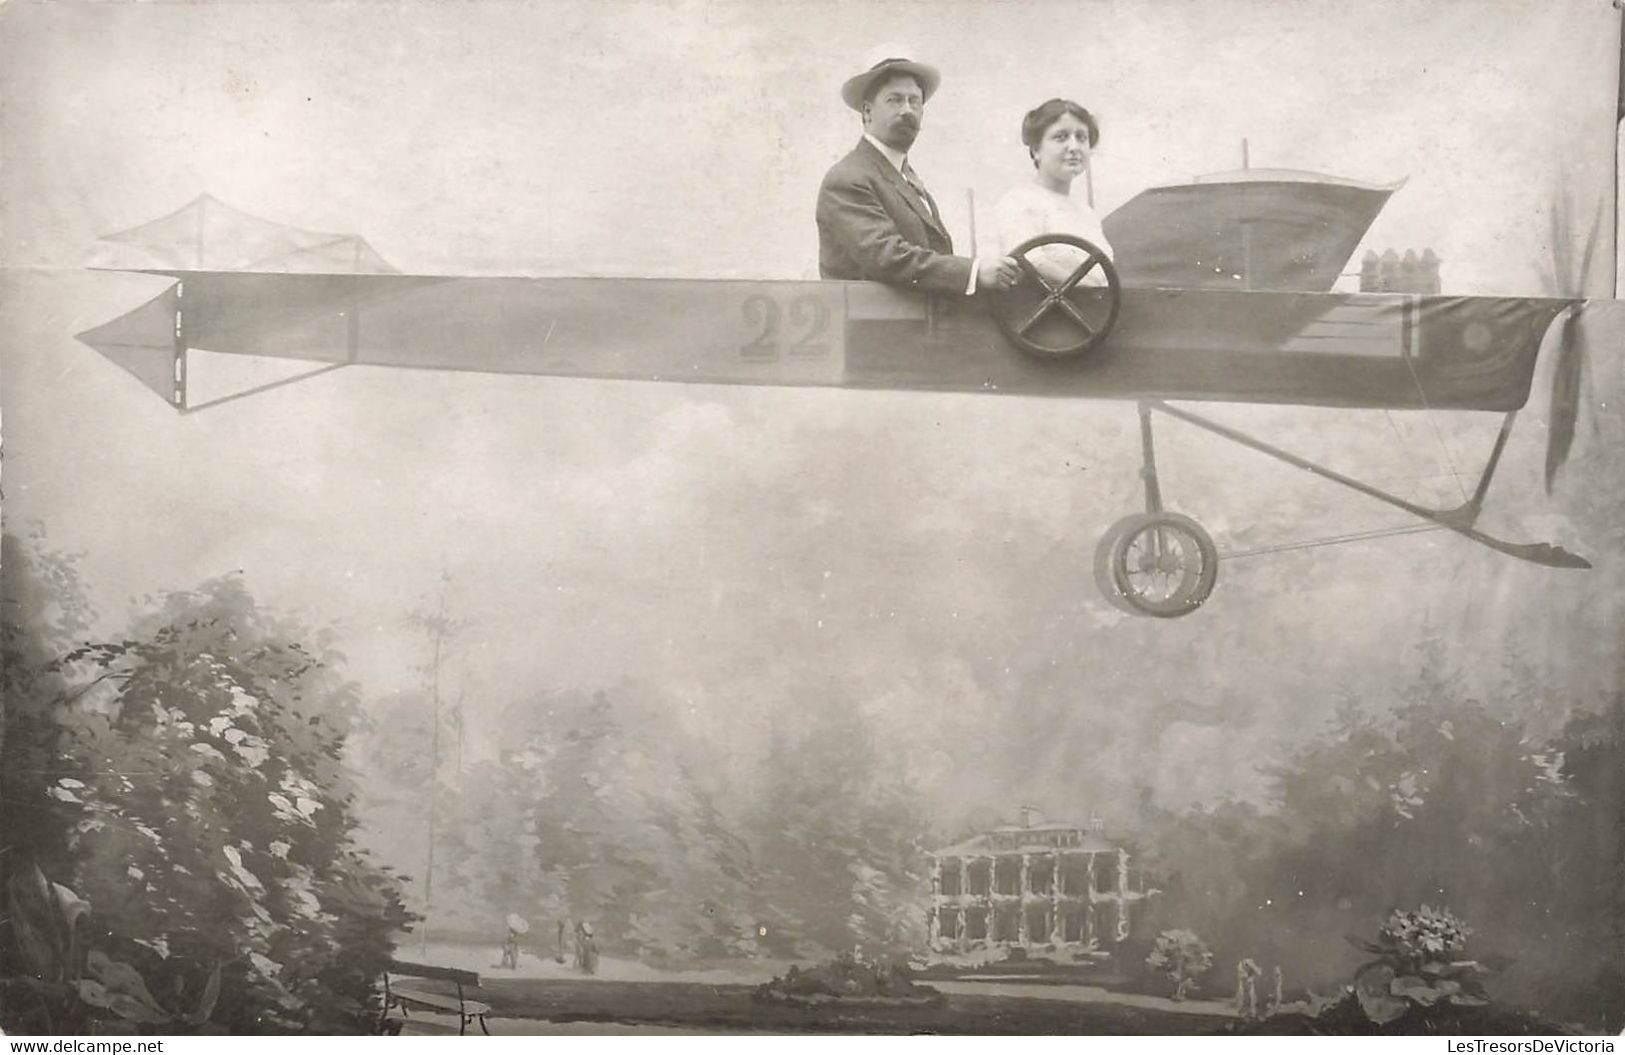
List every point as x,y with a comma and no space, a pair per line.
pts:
688,138
753,553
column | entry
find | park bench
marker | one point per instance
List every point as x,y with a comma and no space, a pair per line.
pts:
460,1005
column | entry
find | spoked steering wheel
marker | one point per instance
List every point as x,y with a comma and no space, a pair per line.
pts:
1059,321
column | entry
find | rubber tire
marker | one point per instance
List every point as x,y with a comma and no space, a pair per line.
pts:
1122,536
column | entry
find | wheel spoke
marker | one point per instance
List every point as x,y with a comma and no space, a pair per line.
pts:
1162,564
1042,310
1032,273
1147,579
1089,320
1146,561
1077,275
1077,316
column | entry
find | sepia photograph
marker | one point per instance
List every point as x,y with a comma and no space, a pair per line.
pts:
825,517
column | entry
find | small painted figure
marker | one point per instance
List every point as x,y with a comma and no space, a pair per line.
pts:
1247,973
517,925
586,949
510,949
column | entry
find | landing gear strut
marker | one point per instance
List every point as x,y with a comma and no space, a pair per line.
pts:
1164,564
1156,563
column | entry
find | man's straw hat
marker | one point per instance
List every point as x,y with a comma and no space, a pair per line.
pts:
883,61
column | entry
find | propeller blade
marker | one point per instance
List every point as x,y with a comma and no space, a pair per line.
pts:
1563,412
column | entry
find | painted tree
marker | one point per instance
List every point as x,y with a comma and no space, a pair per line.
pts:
45,613
627,831
445,726
495,840
391,746
481,869
838,837
192,776
1439,802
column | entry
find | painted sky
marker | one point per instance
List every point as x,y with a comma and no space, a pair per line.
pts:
754,551
688,138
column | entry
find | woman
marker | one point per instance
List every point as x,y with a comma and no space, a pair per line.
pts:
586,949
1059,136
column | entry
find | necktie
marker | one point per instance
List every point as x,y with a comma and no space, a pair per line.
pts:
919,188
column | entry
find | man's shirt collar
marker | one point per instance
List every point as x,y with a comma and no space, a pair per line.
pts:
896,158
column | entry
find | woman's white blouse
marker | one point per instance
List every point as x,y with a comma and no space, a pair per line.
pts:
1030,210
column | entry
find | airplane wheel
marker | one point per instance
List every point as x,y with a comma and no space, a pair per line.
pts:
1062,321
1104,576
1157,564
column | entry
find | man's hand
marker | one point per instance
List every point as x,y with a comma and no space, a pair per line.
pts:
997,273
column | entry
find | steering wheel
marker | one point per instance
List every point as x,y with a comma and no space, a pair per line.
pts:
1059,321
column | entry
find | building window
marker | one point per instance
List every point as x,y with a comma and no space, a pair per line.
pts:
1075,924
1007,873
1106,873
1038,924
1006,923
1075,875
979,876
1041,876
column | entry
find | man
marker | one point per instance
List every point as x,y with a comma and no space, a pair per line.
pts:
876,220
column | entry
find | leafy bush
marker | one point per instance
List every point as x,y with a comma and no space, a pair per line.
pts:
71,986
184,781
1427,801
847,978
1344,1016
1418,964
1419,983
1181,957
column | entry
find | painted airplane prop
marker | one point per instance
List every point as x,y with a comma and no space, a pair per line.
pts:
1220,292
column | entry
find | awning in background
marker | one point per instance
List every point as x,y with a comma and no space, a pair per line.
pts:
209,235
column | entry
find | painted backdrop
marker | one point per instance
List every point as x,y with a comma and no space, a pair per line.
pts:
759,572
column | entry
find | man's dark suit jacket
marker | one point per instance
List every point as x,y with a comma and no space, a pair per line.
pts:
873,225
